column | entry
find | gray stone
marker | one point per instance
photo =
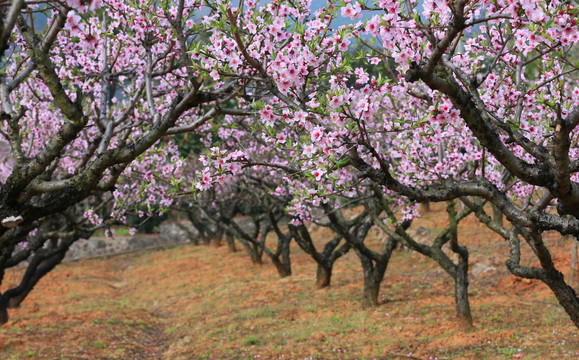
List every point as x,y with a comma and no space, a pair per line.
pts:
97,246
481,268
171,233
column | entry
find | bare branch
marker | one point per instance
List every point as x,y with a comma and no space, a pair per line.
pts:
9,23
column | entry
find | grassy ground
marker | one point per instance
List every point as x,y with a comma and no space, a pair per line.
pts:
205,303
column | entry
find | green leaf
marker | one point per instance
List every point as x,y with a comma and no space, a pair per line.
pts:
549,23
416,17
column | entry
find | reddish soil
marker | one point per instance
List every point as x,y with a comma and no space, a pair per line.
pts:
202,302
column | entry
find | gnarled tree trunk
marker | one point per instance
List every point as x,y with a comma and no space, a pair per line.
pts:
564,293
40,264
497,215
573,269
230,239
326,258
374,270
460,271
323,275
461,292
284,269
3,310
373,276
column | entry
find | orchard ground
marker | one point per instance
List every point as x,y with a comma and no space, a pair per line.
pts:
202,302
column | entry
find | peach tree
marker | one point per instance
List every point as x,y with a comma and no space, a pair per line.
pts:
443,100
90,93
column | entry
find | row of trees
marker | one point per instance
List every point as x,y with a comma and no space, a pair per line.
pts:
472,101
457,101
280,210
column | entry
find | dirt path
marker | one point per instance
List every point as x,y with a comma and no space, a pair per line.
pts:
90,307
150,317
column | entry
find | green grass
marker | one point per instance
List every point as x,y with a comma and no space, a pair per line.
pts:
119,231
251,340
98,344
208,313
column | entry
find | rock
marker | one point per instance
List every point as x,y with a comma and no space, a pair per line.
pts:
481,268
171,233
421,235
422,231
83,248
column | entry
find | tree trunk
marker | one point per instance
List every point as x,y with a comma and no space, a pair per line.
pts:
497,215
217,237
255,258
458,272
373,276
555,280
230,242
282,261
252,251
573,262
323,276
17,300
216,241
3,310
564,293
371,291
461,293
40,265
283,269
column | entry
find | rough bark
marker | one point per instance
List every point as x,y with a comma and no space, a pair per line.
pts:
374,264
281,257
3,310
230,239
323,275
497,215
564,293
254,255
284,269
460,271
374,271
461,293
553,277
573,268
40,265
373,276
326,258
